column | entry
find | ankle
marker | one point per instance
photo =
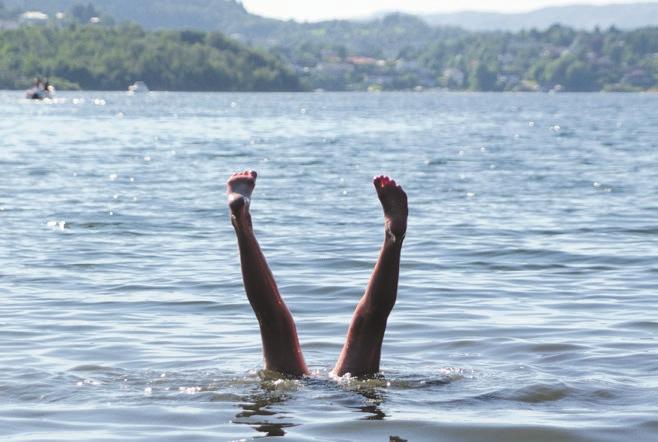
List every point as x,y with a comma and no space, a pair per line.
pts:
242,223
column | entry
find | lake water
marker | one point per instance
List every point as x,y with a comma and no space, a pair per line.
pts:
528,299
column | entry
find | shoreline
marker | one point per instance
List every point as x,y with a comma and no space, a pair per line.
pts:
400,91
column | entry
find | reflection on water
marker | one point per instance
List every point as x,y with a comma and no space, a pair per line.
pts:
369,391
374,399
262,408
258,413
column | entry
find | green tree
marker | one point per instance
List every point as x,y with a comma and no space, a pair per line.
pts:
93,57
580,76
84,13
483,78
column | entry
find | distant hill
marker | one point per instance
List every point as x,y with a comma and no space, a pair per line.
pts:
626,16
112,57
230,16
376,38
209,15
388,52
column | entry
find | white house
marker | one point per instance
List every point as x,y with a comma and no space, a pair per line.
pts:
33,17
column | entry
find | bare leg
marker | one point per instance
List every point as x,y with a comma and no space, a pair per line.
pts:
277,329
362,349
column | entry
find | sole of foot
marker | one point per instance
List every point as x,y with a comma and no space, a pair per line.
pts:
394,203
239,188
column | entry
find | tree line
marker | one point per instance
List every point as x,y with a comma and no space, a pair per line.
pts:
557,58
393,53
111,58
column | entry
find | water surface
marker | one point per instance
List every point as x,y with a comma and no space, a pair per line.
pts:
527,307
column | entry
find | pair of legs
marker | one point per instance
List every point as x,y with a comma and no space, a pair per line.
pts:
361,353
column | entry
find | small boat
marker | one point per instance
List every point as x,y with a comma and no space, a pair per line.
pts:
138,87
40,93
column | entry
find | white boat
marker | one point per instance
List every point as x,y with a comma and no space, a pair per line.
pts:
138,87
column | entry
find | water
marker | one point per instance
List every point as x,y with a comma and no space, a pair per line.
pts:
527,307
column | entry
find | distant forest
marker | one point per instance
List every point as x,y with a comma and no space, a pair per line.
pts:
395,52
111,58
558,58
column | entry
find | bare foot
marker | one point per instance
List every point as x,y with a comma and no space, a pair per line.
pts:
394,202
239,188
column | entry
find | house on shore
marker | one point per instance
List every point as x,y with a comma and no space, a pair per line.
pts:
33,18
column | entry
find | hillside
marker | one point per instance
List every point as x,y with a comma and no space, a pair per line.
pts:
397,51
230,17
111,58
626,16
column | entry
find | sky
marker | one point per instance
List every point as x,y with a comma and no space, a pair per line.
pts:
313,10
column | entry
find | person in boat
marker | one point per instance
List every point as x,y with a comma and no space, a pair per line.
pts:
40,90
361,352
35,93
